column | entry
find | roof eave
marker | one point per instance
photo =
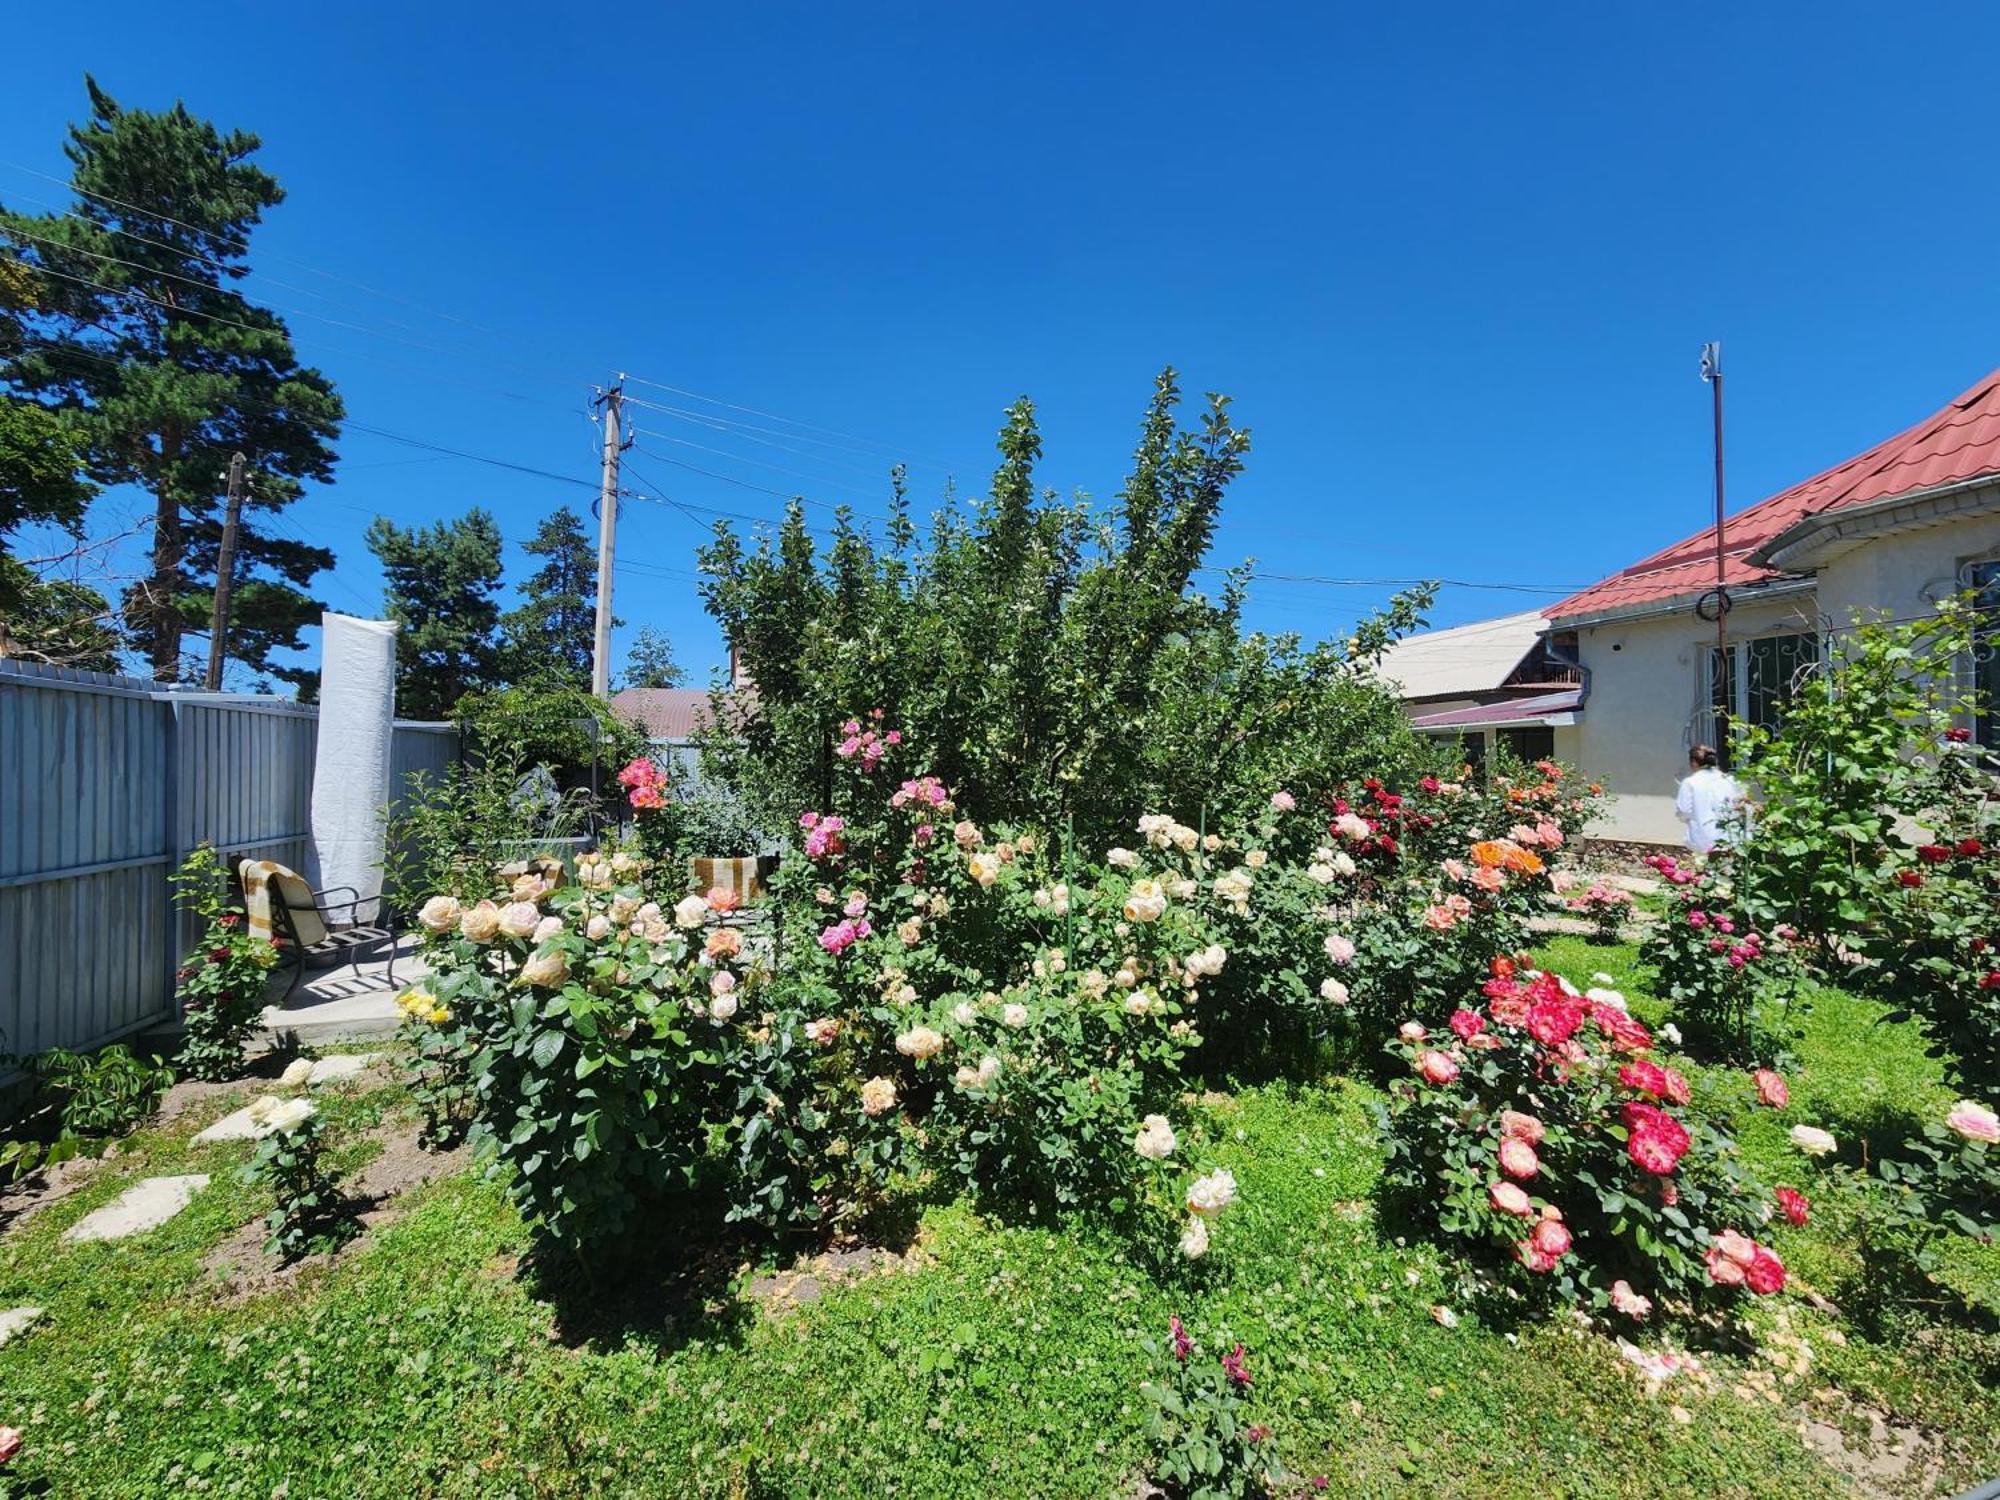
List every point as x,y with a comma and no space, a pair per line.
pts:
1749,593
1813,540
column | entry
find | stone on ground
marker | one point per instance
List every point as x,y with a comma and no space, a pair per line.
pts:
341,1065
17,1320
143,1206
232,1127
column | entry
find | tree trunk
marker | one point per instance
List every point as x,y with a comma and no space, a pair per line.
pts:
163,588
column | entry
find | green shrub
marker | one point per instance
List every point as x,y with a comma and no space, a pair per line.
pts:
221,982
106,1093
1204,1445
1729,978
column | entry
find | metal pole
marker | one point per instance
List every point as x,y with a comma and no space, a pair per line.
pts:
225,569
607,537
1711,370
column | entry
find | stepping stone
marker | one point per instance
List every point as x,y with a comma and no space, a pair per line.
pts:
341,1065
143,1206
239,1126
16,1321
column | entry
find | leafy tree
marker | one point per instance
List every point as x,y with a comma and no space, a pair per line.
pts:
135,325
1052,663
553,633
650,662
441,586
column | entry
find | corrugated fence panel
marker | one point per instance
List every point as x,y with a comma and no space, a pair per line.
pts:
105,784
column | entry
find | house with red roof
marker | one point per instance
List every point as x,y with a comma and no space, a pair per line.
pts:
1889,532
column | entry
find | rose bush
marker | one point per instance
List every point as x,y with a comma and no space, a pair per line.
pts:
1729,977
220,983
1539,1136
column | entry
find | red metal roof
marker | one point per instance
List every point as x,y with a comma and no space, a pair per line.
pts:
1516,711
1960,442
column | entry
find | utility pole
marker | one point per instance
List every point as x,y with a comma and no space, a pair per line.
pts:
225,567
1711,371
607,538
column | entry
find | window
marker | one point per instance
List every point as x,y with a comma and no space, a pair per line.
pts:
1753,683
1535,742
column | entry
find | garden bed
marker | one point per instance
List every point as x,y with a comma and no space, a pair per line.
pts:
991,1358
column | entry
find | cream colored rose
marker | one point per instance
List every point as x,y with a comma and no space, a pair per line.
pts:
440,914
722,1007
598,928
1207,962
878,1096
1256,859
1146,902
1213,1193
920,1042
1122,859
289,1116
984,868
547,928
519,919
1194,1238
481,923
690,911
545,969
1014,1015
967,835
963,1013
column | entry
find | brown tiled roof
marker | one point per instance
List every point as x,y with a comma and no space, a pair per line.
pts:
664,713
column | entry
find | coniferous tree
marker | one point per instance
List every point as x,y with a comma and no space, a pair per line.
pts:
650,661
550,637
136,325
441,586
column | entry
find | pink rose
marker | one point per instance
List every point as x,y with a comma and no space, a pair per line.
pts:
1518,1159
1520,1127
1412,1031
1552,1238
1765,1274
1436,1067
1630,1302
1507,1198
10,1443
1771,1088
1974,1121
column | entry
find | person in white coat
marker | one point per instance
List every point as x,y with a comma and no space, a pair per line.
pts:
1711,802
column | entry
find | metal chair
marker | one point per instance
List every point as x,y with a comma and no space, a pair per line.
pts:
306,918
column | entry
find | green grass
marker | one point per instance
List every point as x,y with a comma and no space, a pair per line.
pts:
1004,1360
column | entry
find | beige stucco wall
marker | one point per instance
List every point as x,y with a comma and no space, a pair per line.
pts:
1905,573
1645,693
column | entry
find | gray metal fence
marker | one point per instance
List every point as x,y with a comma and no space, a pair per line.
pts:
106,783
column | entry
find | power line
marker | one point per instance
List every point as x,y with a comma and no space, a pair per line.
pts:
770,435
772,416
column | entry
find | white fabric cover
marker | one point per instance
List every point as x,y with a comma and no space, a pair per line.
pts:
357,726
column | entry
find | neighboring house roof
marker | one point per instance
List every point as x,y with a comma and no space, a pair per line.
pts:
1959,443
1549,708
1475,658
664,713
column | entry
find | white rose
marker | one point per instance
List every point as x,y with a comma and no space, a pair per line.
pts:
289,1116
1146,903
1122,859
1208,961
984,868
1812,1140
1156,1138
722,1007
690,911
1256,858
1194,1238
598,928
440,914
1343,864
547,928
963,1013
1213,1193
262,1107
1014,1015
989,1068
1320,872
1333,990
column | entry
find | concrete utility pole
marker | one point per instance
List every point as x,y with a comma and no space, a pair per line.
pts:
607,539
225,567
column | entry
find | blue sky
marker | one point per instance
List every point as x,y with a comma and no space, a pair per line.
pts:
1454,262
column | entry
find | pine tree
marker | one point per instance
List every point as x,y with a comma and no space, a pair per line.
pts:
441,586
137,326
550,638
650,661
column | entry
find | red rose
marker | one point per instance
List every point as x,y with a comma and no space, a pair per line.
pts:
1645,1078
1909,879
1933,854
1958,734
1430,783
1765,1274
1970,848
217,955
1501,967
1990,980
1794,1205
1553,1022
1655,1140
1677,1091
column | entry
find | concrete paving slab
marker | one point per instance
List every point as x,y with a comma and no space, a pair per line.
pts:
15,1321
341,1065
143,1206
240,1126
348,1003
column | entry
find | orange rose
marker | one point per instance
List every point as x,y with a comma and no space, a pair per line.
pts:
724,942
